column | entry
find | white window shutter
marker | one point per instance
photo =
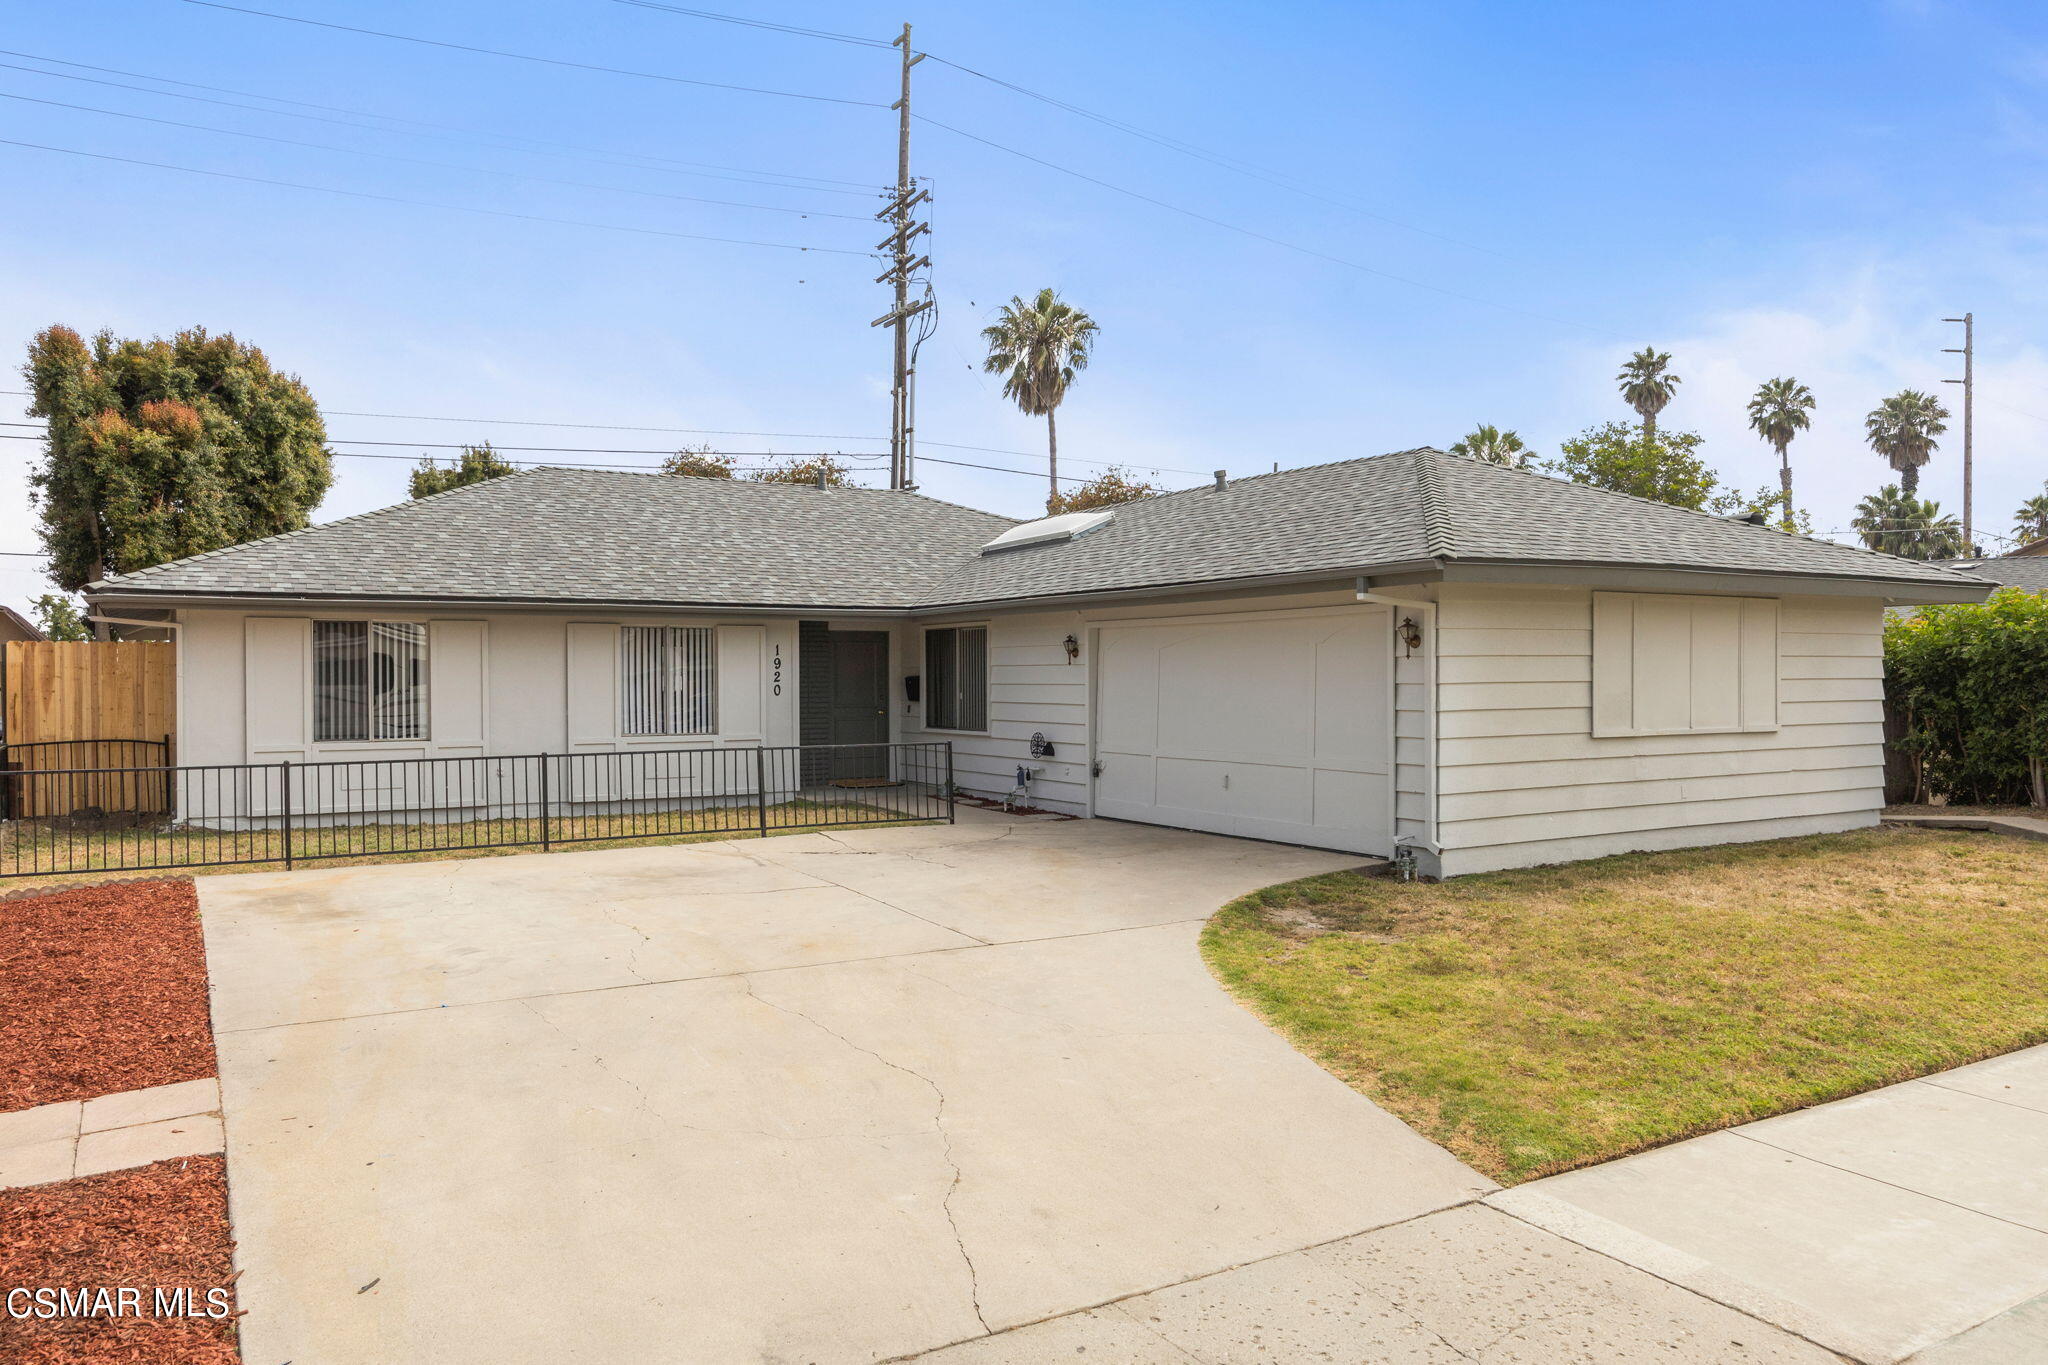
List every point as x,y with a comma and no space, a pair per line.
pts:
593,689
742,652
1760,664
276,686
455,692
1614,674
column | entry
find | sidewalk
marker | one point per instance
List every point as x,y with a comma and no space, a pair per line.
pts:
1906,1223
109,1133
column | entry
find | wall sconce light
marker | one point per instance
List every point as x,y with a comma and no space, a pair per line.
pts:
1073,647
1411,634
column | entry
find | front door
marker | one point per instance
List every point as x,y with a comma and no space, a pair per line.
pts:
860,702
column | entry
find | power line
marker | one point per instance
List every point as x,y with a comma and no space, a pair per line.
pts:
532,57
791,29
691,431
1252,233
612,464
1228,163
595,155
429,204
442,165
1294,184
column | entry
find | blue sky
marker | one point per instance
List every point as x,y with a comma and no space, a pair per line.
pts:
1524,193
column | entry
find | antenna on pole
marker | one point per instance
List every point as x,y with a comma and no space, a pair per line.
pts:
1968,351
901,244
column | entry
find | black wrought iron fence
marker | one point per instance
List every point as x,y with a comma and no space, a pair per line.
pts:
152,817
126,787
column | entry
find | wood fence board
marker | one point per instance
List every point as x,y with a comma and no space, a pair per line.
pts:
83,691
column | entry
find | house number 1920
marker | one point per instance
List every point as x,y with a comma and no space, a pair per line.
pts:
776,664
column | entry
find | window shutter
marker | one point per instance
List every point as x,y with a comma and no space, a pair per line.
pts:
455,690
592,661
741,652
275,686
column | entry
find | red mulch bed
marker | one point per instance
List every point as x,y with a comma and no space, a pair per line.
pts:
105,991
163,1226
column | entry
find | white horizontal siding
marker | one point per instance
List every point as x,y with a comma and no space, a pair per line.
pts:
1031,688
1524,781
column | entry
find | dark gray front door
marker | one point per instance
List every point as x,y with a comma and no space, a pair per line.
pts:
860,701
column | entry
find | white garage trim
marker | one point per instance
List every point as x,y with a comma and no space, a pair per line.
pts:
1268,819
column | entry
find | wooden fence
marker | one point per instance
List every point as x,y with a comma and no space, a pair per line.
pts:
81,705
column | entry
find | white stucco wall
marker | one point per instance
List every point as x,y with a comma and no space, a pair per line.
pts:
244,695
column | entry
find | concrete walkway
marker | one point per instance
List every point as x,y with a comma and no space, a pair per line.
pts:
109,1132
816,1098
1907,1223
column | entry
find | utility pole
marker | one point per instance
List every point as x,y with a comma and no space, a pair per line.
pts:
901,246
1968,351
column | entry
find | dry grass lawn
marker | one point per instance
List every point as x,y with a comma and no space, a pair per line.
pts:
1538,1020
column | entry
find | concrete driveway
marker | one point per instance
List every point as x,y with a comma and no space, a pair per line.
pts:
817,1098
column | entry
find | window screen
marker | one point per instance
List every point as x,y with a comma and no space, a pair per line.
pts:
369,680
668,681
956,678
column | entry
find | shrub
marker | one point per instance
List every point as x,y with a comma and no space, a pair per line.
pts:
1968,688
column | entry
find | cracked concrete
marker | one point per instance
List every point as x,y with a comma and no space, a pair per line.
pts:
815,1098
840,1098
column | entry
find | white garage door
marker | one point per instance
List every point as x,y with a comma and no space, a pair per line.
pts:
1266,726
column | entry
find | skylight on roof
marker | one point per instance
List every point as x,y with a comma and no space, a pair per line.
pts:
1063,527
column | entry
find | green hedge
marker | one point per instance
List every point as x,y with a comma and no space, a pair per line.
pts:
1967,686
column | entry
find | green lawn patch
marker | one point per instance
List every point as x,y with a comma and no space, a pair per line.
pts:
1537,1020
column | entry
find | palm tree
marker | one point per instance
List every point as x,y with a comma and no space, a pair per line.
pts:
1646,383
1490,445
1778,413
1899,523
1902,429
2031,521
1038,347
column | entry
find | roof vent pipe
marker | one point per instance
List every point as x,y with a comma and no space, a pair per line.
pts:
1219,481
821,478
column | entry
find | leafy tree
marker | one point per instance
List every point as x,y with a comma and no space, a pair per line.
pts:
1778,413
165,448
2031,521
1493,446
800,470
701,462
1969,683
1038,348
1112,486
1646,385
473,465
1902,429
59,618
1664,467
1901,524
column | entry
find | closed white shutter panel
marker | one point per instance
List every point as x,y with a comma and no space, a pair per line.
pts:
593,691
742,652
1671,665
455,694
275,686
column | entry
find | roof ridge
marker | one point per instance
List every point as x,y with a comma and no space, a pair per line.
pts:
1436,513
320,525
1721,518
779,483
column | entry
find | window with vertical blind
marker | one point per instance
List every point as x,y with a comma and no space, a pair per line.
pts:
668,680
369,680
956,678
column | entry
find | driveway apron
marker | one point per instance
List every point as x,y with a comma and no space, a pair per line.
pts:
828,1097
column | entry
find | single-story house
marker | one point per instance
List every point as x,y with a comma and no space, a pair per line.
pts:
1484,667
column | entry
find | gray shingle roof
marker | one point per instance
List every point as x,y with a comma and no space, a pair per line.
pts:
596,536
2013,571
